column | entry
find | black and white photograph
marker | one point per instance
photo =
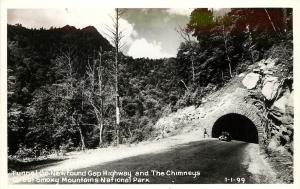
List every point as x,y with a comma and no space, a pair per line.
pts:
114,95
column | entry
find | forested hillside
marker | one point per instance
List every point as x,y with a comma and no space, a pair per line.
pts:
61,80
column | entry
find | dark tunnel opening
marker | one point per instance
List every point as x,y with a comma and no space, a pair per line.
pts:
239,127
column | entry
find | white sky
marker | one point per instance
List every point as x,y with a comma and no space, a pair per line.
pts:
138,43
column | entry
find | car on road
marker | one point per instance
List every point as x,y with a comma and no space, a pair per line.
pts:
225,136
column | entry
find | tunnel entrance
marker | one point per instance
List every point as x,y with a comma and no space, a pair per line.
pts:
240,128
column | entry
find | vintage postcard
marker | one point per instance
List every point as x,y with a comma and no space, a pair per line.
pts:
141,95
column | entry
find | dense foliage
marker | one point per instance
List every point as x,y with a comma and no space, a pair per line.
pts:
55,91
226,45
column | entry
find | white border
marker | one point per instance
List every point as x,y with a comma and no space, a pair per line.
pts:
146,3
6,4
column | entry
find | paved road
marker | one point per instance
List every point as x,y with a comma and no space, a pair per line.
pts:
214,159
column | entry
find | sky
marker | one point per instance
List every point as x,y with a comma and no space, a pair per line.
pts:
148,32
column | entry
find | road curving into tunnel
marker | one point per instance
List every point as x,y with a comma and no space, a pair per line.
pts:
238,126
217,161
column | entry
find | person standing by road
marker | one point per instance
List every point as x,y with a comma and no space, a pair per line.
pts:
205,133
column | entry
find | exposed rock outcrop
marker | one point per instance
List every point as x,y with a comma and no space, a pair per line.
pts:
276,97
270,87
251,80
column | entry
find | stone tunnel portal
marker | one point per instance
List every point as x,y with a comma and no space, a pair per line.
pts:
239,126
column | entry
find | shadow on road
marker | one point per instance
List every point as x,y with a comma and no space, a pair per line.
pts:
215,160
18,166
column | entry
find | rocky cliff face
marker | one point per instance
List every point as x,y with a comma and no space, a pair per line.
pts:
272,91
271,84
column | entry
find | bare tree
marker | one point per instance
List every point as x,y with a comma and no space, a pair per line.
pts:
94,92
284,19
188,39
116,35
270,19
225,39
64,61
184,33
